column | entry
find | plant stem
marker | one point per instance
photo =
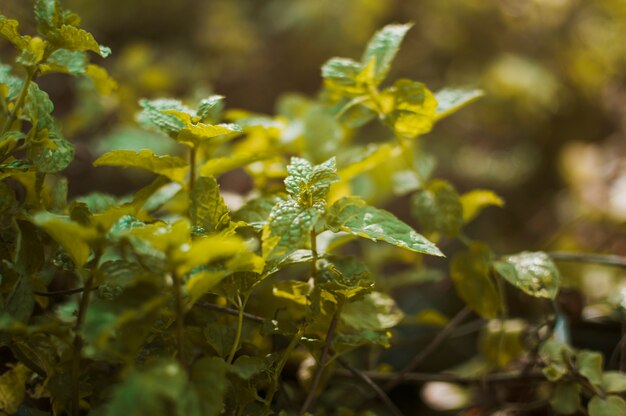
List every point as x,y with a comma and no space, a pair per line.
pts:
281,364
180,321
240,308
231,311
604,259
367,380
321,364
78,344
314,252
30,76
192,167
494,378
430,348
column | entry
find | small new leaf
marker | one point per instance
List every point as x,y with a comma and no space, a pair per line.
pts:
383,47
451,100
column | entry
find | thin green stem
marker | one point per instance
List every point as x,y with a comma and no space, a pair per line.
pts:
78,345
314,252
192,167
241,304
281,365
30,76
180,321
321,364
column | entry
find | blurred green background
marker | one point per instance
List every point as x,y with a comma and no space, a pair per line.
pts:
548,135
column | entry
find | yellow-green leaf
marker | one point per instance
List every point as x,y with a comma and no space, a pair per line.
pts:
383,47
438,208
13,388
101,79
475,201
8,29
609,406
199,284
76,39
207,208
470,271
171,167
72,236
413,108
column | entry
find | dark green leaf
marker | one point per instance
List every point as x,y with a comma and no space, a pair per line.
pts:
438,208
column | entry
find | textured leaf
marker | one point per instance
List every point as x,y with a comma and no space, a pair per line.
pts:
346,278
8,29
50,152
376,311
354,216
438,208
566,398
475,201
383,48
171,167
470,272
199,133
611,406
33,53
76,39
533,272
65,61
412,110
207,207
152,115
291,225
13,388
208,107
342,73
48,14
73,237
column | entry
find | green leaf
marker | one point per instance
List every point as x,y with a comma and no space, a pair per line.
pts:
7,198
475,201
66,61
533,272
375,311
383,48
76,39
210,107
366,159
208,378
13,388
566,398
353,215
50,152
611,406
346,278
33,53
289,227
438,208
342,73
8,29
613,382
450,100
171,167
48,15
220,165
196,134
308,184
73,237
256,211
20,304
589,364
153,116
413,108
207,207
245,367
471,273
200,283
501,342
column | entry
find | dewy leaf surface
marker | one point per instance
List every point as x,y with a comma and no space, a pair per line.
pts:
353,215
172,167
533,272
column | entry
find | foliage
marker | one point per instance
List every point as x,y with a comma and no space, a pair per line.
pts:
141,304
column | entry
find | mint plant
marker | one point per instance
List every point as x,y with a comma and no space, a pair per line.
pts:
170,301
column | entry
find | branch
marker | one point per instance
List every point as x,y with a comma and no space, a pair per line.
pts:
367,380
62,292
604,259
310,399
233,312
517,377
430,348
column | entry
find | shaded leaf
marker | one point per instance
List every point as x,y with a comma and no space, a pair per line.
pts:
13,388
450,100
438,208
470,271
611,406
566,398
207,208
375,311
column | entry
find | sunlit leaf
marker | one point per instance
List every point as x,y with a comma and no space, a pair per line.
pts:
533,272
450,100
172,167
383,47
354,216
475,201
